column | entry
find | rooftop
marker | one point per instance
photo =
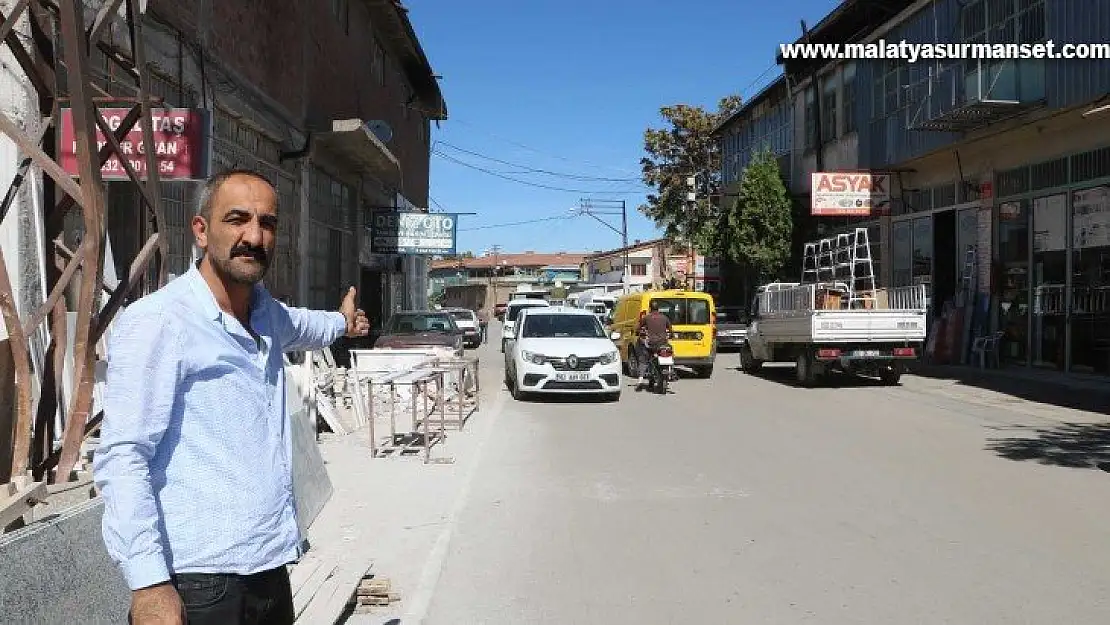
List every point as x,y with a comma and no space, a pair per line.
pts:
850,22
392,20
638,245
776,88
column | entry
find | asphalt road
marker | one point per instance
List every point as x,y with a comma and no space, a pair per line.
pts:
746,500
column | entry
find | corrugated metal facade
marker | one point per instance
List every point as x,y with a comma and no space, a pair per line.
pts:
885,138
1076,81
886,117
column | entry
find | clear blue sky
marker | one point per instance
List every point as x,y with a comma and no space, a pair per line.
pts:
568,86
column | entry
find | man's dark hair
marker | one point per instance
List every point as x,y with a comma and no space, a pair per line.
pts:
217,180
654,305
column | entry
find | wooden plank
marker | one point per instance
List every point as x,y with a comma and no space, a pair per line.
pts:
92,209
329,603
138,268
56,292
15,505
107,10
312,585
8,24
21,429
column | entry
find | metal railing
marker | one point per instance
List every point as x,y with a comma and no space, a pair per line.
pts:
788,299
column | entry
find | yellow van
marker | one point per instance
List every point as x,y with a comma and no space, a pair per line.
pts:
693,318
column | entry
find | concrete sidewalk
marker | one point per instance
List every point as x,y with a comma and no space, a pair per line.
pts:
1077,392
395,514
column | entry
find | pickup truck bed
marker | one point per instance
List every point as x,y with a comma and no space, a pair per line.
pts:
869,341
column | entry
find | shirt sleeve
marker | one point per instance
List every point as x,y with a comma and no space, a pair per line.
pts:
301,329
145,369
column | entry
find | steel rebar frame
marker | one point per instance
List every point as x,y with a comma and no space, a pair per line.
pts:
61,24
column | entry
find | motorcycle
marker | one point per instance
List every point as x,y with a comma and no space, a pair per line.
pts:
660,366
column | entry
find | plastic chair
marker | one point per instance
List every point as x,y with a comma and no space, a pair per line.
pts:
986,348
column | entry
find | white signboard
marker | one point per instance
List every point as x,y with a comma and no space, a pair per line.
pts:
849,194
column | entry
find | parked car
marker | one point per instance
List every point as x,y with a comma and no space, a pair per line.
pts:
421,328
732,328
561,350
468,322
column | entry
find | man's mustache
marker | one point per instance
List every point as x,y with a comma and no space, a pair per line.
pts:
256,253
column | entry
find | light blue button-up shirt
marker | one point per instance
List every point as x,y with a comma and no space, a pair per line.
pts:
194,463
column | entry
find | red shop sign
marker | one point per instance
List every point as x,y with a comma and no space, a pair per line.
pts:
181,145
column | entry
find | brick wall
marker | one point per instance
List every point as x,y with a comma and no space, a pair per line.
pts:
316,65
344,83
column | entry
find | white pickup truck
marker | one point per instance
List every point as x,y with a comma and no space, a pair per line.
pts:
813,326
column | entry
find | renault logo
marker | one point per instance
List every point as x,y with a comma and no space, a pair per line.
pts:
572,361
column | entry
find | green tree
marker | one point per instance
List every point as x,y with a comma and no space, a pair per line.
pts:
760,220
685,147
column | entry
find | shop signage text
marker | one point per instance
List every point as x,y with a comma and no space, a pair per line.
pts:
849,194
397,232
181,141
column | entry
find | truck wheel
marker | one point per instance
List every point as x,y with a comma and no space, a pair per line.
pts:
807,377
704,372
748,362
891,375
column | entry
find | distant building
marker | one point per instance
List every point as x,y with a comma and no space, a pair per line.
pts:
651,264
505,273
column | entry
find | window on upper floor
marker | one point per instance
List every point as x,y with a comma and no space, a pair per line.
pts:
811,118
890,79
848,98
1004,22
379,63
828,110
341,11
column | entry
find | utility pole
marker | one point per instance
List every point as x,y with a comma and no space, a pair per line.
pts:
586,207
495,251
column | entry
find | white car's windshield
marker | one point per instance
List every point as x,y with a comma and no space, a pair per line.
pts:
461,315
546,326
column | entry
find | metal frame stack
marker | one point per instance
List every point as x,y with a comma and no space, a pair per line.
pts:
56,62
843,259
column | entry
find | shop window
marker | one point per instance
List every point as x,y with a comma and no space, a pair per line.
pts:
1049,277
1013,278
902,253
1090,288
1090,165
923,250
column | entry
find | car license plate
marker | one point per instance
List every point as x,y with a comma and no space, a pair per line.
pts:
572,377
666,360
867,353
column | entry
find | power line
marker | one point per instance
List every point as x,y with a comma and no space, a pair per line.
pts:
526,168
518,223
525,182
538,151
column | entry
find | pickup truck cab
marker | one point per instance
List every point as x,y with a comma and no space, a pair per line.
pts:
820,329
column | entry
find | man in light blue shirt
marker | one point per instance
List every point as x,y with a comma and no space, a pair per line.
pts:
194,463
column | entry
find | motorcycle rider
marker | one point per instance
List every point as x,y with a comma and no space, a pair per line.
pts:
654,330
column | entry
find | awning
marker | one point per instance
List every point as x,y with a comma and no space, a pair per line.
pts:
352,140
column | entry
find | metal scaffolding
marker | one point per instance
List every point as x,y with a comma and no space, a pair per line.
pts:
56,62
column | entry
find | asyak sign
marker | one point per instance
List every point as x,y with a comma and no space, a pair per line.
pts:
849,194
181,144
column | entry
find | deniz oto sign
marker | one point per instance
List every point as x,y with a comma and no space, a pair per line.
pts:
840,194
397,232
180,144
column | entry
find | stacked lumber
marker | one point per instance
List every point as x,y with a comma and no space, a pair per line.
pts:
374,592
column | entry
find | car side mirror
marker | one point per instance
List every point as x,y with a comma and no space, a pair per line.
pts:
616,336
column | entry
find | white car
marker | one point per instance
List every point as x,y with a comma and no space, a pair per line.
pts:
512,312
468,323
562,350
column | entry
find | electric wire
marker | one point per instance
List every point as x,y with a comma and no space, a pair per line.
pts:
536,170
452,159
512,224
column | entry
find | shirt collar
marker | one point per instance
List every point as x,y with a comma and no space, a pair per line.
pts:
207,300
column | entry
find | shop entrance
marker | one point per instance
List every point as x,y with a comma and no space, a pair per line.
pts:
946,269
